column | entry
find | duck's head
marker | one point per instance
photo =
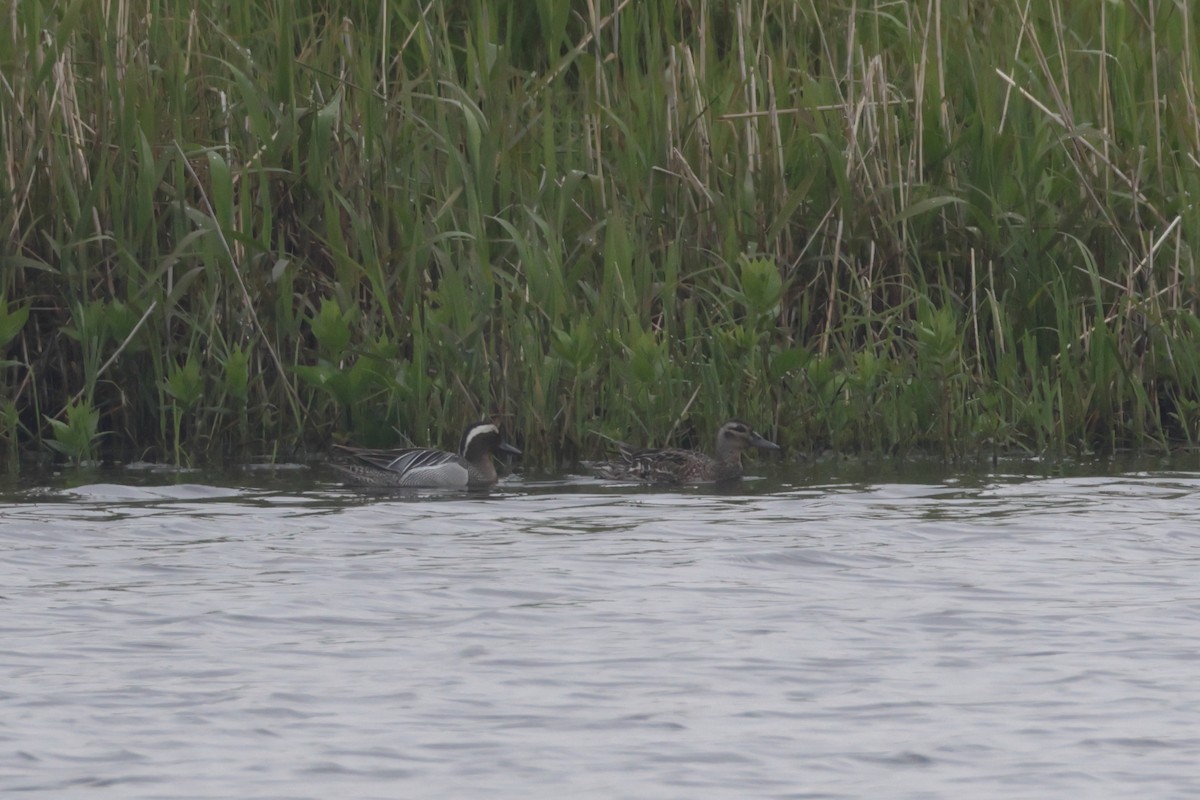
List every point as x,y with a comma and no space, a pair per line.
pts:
736,435
482,438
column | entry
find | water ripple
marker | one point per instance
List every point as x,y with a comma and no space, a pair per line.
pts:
976,636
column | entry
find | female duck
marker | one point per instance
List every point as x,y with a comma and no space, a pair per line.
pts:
471,467
688,466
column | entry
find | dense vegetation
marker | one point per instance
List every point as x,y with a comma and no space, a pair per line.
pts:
247,228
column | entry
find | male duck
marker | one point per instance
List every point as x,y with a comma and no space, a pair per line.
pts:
471,467
688,466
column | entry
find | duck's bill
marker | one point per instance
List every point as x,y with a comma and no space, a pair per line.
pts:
763,444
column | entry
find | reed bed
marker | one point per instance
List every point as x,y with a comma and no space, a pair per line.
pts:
247,229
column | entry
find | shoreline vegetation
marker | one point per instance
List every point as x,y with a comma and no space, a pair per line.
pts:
250,229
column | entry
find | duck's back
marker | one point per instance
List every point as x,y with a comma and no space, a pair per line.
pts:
415,468
670,466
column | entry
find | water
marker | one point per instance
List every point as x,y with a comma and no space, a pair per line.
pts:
832,635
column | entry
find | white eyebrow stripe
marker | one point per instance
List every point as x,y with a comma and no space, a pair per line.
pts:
478,430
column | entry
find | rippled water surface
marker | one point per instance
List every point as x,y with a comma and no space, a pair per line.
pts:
901,636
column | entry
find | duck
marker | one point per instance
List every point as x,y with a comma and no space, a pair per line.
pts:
470,468
675,466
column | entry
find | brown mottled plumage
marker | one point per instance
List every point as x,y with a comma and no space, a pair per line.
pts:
674,466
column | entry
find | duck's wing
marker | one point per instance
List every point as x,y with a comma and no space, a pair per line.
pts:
648,466
414,467
663,466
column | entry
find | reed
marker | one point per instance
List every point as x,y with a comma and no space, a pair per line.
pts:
246,229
